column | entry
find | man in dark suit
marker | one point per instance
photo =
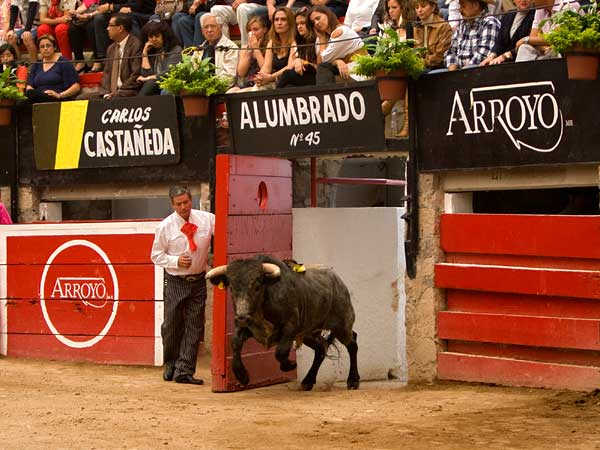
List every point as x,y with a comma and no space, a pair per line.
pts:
123,63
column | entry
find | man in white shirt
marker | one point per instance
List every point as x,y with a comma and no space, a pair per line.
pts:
181,246
534,46
221,51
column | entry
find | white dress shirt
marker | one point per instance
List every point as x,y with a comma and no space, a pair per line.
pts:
170,242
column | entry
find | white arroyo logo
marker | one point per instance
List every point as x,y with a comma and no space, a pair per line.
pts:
530,107
80,288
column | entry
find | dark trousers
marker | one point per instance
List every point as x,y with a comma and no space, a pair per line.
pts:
291,78
79,34
326,73
183,324
37,96
149,87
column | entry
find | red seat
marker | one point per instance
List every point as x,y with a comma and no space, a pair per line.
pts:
90,79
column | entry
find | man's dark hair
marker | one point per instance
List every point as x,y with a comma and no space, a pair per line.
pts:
124,20
175,191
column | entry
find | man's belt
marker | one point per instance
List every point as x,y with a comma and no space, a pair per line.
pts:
191,278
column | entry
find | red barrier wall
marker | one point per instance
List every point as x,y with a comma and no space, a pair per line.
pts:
81,291
522,300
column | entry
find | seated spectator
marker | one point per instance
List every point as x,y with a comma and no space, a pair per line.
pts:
279,56
515,26
4,19
8,57
138,10
304,71
437,31
55,17
160,51
237,13
535,46
222,52
81,29
396,14
123,63
336,44
186,23
252,57
359,15
474,38
28,33
54,77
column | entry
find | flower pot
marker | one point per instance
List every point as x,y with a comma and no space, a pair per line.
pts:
582,64
391,85
6,111
195,105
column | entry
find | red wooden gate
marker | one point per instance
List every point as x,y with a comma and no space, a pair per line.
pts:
254,215
522,300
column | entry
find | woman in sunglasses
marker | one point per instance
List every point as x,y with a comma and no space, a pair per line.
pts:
53,78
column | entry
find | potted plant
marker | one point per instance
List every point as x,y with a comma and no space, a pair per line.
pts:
392,61
576,36
9,94
194,80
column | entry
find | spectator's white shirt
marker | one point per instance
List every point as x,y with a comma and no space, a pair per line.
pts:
542,14
359,13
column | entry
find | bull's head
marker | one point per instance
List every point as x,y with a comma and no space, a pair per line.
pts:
246,280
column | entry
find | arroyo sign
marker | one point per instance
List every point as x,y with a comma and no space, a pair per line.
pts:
515,115
80,291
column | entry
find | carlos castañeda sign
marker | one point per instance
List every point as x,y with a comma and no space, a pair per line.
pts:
79,293
527,113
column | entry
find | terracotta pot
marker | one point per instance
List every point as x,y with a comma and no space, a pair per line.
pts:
195,105
582,64
6,111
391,85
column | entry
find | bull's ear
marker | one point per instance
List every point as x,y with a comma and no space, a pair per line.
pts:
221,281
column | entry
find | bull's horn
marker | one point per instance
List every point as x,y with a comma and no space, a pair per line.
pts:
271,270
220,270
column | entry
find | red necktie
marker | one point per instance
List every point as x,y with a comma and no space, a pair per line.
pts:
189,229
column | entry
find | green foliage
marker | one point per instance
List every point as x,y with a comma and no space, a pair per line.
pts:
194,77
571,29
390,53
8,86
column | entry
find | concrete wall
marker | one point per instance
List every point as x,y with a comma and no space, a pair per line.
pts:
366,248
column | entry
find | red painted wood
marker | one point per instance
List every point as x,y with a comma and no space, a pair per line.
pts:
513,372
243,229
131,249
256,165
247,197
72,317
523,261
521,304
552,355
259,234
110,350
219,342
50,301
523,330
560,236
562,283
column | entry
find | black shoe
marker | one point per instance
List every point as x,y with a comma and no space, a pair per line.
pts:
188,379
168,373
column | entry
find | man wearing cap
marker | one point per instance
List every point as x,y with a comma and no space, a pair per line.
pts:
181,246
475,36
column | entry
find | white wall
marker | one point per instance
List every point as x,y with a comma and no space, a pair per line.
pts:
366,248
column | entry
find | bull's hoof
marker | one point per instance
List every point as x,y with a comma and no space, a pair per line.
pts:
242,377
307,386
353,385
286,366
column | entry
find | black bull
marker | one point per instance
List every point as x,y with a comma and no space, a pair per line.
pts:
276,306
